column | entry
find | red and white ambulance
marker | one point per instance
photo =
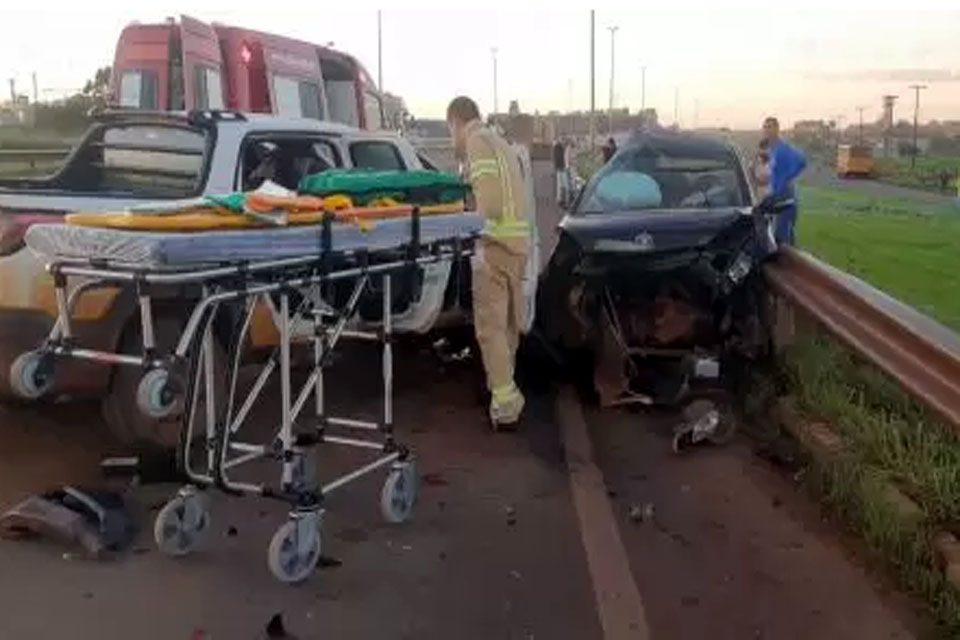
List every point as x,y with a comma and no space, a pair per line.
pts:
188,64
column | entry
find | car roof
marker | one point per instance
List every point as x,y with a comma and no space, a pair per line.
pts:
680,143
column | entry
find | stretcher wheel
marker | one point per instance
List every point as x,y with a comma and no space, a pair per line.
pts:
31,374
399,494
182,524
155,394
294,551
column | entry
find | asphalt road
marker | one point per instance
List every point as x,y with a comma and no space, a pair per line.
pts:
524,535
824,176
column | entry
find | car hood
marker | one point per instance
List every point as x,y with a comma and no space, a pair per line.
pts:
647,232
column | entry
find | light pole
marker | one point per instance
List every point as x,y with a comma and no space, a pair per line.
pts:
860,132
916,113
379,52
643,88
496,97
593,84
613,39
676,107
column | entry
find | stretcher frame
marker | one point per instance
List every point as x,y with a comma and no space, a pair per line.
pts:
306,277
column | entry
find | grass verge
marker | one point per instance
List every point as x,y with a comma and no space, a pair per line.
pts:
904,247
888,441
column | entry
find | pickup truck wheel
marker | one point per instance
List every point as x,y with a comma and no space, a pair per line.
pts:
125,418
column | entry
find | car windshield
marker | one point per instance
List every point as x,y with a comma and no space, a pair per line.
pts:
651,175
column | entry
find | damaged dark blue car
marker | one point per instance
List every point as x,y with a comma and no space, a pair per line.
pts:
653,293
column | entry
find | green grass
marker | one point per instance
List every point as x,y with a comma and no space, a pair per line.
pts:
907,248
888,440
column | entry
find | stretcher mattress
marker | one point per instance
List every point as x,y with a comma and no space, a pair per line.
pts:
154,249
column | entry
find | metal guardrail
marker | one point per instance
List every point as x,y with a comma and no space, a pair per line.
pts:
919,353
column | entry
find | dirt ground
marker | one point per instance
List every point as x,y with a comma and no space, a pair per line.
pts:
732,548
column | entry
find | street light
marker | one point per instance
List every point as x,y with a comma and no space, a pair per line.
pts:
643,88
496,98
593,84
860,133
916,112
613,38
676,107
379,52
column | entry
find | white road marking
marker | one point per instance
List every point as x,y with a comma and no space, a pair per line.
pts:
619,605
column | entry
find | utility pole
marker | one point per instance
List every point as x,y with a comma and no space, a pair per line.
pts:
839,120
613,38
496,97
379,51
593,84
916,113
860,133
643,88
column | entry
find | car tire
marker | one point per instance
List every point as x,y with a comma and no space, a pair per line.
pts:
125,420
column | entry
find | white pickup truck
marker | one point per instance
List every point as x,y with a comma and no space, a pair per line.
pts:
131,157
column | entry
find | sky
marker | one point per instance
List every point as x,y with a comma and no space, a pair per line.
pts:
724,67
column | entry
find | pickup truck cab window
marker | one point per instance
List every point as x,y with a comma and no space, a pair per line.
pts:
376,154
285,159
157,160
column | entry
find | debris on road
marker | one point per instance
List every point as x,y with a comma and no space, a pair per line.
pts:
642,512
276,630
96,520
702,421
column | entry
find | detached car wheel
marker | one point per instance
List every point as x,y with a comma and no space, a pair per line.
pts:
122,405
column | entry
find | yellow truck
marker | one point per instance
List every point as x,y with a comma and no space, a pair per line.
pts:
854,160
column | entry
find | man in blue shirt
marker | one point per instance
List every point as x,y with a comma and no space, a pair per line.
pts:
786,163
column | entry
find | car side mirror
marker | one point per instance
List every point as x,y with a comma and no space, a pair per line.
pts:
772,205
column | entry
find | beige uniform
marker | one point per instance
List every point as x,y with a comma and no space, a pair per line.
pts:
498,304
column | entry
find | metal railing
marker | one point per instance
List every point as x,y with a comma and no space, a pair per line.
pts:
920,354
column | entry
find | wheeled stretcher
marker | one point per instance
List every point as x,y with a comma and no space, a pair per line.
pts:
314,274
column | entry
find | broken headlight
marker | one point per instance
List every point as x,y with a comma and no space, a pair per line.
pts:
740,267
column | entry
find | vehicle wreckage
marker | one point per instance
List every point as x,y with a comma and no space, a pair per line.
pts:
652,295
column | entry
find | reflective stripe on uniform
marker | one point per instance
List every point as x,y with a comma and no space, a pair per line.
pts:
480,168
507,228
504,393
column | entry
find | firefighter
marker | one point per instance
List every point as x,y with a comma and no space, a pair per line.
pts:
496,178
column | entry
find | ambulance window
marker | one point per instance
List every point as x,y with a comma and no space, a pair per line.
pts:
138,89
376,155
208,90
372,111
296,98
